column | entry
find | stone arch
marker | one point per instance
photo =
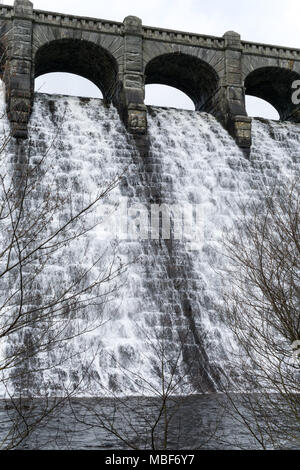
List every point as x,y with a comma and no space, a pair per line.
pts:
274,85
189,74
79,57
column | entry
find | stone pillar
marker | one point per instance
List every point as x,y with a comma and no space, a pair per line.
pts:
236,120
132,107
19,75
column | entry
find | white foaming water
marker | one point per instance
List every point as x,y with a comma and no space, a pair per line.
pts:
192,160
5,182
204,166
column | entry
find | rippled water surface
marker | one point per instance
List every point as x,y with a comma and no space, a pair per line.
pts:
200,422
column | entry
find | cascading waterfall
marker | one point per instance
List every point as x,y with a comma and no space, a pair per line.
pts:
169,286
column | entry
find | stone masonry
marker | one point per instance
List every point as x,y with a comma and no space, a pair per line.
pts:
121,58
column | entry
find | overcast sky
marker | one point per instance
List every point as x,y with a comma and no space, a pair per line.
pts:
267,21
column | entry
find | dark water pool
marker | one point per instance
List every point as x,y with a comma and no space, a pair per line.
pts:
196,422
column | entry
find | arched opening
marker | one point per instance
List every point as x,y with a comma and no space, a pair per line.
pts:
192,76
81,58
59,83
274,85
256,107
166,96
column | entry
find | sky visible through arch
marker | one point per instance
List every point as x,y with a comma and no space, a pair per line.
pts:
267,21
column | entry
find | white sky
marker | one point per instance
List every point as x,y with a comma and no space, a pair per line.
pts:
267,21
